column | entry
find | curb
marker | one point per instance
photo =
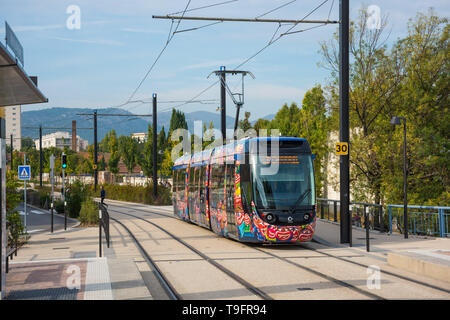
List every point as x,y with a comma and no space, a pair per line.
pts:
419,265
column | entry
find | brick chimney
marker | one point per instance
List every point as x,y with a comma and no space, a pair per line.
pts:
74,135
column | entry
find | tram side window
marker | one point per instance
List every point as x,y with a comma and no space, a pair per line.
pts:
230,183
181,176
213,186
221,182
217,185
175,181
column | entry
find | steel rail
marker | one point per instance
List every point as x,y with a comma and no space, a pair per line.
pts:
329,255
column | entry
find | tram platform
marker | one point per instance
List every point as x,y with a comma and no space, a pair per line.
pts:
64,265
427,256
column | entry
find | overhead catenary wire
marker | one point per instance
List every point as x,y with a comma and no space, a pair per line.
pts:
204,7
271,42
279,7
158,57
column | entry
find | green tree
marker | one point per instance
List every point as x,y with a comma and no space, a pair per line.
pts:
314,126
128,150
145,159
113,163
245,123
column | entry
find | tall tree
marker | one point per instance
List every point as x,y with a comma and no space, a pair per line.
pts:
314,126
128,150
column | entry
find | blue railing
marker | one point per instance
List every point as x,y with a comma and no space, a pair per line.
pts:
422,220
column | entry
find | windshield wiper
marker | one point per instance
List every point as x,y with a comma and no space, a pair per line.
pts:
300,199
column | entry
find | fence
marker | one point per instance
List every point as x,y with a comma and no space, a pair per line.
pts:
103,221
422,220
330,210
13,236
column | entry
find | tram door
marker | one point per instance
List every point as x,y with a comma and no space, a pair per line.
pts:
230,190
202,196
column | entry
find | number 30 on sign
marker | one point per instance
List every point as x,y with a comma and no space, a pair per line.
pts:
342,148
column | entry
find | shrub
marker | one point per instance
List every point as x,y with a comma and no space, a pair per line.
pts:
89,212
138,194
76,195
59,206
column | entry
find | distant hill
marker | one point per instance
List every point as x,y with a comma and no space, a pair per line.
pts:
62,118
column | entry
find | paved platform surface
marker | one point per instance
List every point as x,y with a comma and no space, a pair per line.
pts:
427,256
65,265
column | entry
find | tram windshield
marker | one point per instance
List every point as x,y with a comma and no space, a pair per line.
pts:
285,181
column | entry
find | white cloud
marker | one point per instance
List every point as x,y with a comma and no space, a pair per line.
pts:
98,41
209,64
273,92
134,30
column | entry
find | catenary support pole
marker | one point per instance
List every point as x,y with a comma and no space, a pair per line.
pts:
12,153
95,152
155,147
25,194
40,156
405,183
344,132
223,104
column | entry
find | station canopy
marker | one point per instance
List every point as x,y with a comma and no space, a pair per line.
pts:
16,87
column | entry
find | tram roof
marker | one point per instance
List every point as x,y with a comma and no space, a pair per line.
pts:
228,149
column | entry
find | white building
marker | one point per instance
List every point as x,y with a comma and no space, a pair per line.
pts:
13,127
140,136
61,139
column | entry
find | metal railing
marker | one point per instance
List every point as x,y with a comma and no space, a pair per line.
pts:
103,221
422,220
329,209
12,247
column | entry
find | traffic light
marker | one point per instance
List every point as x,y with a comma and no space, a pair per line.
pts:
64,161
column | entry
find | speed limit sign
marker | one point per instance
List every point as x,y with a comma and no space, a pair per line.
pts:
342,148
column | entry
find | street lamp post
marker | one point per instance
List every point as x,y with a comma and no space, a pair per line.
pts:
397,121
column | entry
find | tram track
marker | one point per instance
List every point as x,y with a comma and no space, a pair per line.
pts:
315,272
234,276
165,284
254,290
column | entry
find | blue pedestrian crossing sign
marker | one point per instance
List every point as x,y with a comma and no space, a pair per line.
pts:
24,172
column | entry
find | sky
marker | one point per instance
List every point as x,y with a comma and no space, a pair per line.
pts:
101,63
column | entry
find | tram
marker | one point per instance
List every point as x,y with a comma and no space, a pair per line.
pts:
253,190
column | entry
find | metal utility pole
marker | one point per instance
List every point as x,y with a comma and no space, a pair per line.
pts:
223,104
25,194
12,153
155,148
64,191
223,88
344,132
405,183
52,177
40,156
398,121
3,231
95,151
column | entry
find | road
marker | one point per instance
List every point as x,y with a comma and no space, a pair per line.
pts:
198,264
39,220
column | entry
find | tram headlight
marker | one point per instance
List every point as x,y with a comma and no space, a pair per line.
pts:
306,217
271,218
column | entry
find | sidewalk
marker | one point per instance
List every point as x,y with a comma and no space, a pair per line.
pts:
428,256
65,266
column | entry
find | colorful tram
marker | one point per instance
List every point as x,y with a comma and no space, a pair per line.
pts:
232,190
